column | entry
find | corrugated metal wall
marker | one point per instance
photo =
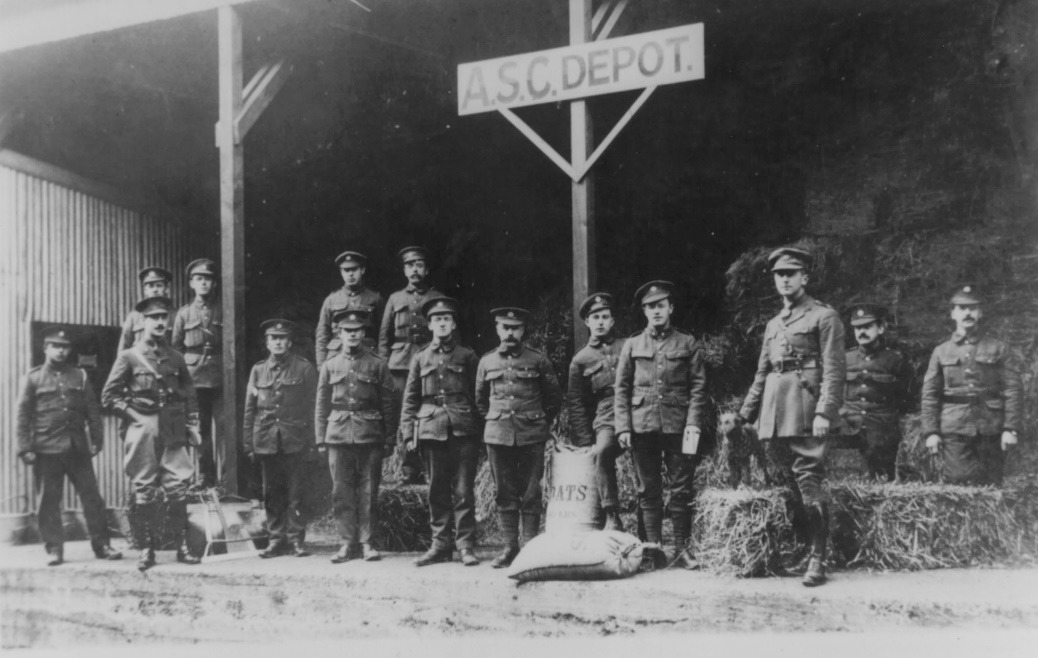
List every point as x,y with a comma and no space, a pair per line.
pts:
69,257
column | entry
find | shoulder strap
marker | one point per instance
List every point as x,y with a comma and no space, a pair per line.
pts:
144,361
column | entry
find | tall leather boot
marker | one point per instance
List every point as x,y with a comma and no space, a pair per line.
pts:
178,519
510,533
800,521
683,557
531,527
818,515
140,529
652,520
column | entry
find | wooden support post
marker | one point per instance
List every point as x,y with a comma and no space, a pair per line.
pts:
585,274
232,239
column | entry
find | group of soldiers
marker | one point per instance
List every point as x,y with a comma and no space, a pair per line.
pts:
412,383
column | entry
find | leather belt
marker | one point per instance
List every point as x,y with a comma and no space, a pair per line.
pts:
789,365
441,400
966,399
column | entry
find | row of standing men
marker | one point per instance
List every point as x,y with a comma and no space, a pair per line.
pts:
648,395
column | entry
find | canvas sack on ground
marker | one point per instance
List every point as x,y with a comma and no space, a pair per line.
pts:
597,555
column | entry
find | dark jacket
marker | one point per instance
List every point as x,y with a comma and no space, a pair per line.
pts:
439,394
518,395
326,343
660,383
198,335
56,406
171,395
279,402
404,329
800,373
355,400
971,387
589,396
877,388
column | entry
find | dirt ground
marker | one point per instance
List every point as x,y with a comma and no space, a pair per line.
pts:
86,602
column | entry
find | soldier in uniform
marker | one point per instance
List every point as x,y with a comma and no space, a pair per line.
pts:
797,394
198,335
971,400
404,332
519,396
439,414
278,432
878,378
151,388
589,399
356,421
155,282
660,408
353,295
56,409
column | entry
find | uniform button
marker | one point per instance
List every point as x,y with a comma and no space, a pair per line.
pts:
659,381
442,392
971,384
865,372
864,411
968,371
511,397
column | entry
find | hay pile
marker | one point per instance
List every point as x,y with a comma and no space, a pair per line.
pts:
403,519
874,526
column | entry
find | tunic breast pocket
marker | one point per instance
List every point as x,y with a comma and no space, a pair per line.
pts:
264,394
143,379
366,386
676,370
193,334
430,380
526,381
600,377
951,366
453,380
497,382
340,384
988,369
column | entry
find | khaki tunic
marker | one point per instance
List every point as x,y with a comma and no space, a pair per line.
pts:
279,406
438,397
56,406
404,329
800,373
518,395
326,342
355,400
198,334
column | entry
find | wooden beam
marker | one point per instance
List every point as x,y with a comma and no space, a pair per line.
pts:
258,94
232,240
607,29
585,273
624,120
539,142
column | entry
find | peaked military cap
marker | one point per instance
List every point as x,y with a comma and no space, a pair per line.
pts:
409,254
862,314
154,275
278,327
351,258
511,315
201,266
652,292
966,295
595,302
154,305
440,305
790,258
57,336
351,318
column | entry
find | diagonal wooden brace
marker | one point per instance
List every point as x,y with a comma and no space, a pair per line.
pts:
258,94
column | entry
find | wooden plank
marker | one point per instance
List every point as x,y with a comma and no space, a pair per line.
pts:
607,29
623,121
539,142
582,187
261,90
232,240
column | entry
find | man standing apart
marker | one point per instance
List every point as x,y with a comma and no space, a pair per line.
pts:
56,409
660,408
439,414
353,295
198,335
971,398
151,389
592,375
404,332
798,392
356,421
519,396
155,282
877,390
278,431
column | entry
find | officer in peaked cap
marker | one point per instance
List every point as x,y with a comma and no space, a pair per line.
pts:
802,365
278,432
660,406
198,335
878,380
404,331
439,415
56,406
971,397
353,295
155,282
519,396
589,398
161,414
356,420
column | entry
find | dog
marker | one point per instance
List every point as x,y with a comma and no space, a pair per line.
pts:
741,442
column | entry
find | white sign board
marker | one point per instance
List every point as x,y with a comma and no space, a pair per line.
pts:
571,72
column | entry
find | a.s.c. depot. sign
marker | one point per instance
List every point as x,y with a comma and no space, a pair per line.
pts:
638,61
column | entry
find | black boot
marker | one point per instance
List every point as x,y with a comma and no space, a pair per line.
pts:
653,525
178,519
140,518
683,557
531,526
818,514
510,533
